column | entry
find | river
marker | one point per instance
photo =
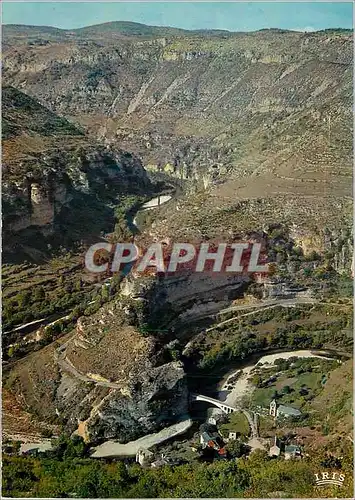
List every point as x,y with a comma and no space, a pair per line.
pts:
149,205
229,390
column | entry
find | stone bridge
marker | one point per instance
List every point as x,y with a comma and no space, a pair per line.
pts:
225,408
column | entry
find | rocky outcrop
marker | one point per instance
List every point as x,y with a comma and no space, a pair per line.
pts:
256,123
261,118
335,244
107,380
64,176
156,397
168,304
152,398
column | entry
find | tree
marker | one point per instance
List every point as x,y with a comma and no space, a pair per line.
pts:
23,298
237,449
66,447
12,350
39,294
331,462
286,389
78,285
105,294
18,476
257,381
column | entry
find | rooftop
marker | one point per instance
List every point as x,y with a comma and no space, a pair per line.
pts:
287,410
206,436
292,448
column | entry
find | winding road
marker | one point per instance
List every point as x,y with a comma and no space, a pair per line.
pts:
267,304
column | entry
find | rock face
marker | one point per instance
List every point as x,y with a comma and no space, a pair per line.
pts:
50,169
261,121
156,398
177,301
259,127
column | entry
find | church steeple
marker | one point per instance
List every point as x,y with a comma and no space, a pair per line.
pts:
273,408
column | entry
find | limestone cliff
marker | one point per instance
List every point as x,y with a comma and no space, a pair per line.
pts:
198,105
258,125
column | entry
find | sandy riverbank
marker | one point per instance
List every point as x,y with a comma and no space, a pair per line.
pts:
115,449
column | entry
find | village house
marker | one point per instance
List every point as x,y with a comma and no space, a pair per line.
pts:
229,435
207,440
276,410
292,451
213,441
144,457
275,449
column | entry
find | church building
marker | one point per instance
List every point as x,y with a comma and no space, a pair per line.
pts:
276,410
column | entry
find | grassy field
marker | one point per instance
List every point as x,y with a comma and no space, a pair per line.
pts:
237,423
